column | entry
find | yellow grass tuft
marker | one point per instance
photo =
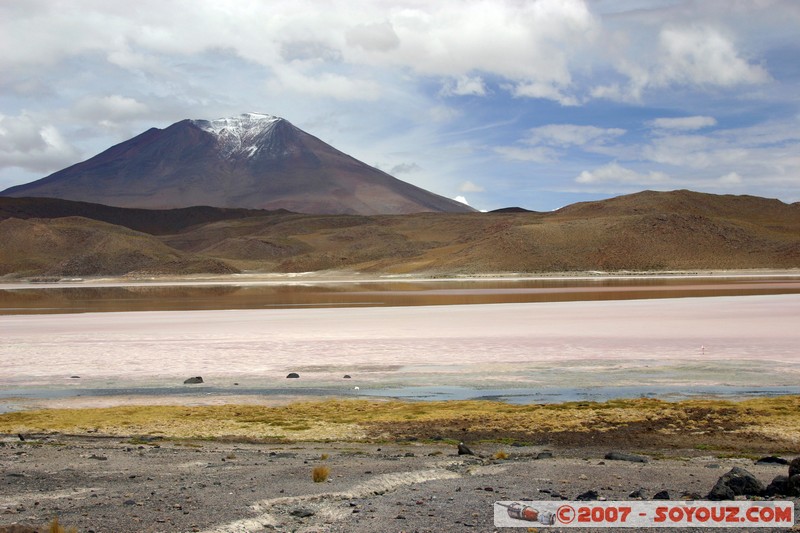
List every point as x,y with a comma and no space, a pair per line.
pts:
55,527
320,474
501,455
324,457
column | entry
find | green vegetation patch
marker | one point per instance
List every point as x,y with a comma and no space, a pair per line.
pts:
703,424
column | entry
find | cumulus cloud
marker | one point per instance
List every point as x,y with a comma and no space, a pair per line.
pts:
464,86
33,145
546,144
615,173
109,109
703,56
684,123
377,37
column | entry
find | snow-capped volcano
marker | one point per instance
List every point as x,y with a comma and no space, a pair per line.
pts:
239,136
252,160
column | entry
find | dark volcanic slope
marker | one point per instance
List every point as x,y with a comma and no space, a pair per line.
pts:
645,231
251,161
153,221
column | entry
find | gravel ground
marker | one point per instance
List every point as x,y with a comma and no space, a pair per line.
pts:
120,485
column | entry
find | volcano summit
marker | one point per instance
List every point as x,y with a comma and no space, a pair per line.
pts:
251,161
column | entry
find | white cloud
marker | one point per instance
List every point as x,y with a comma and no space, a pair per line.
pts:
563,135
110,109
684,123
732,178
464,86
405,168
324,84
468,186
703,56
33,145
376,37
547,90
614,173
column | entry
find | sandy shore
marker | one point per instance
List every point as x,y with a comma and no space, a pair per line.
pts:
113,485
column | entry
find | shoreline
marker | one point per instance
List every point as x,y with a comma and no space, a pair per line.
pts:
347,277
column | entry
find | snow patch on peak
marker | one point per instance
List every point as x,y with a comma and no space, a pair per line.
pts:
239,136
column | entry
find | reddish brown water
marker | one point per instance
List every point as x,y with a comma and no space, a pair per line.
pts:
80,298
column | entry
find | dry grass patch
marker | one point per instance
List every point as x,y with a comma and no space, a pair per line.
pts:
769,419
320,474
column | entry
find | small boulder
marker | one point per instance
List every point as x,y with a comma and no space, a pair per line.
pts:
778,487
463,449
622,456
793,486
661,495
292,375
772,460
589,495
193,381
346,376
794,467
302,512
544,455
736,482
638,494
721,491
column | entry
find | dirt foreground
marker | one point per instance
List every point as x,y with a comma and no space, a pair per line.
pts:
399,471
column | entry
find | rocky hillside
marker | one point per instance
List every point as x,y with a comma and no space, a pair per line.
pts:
644,231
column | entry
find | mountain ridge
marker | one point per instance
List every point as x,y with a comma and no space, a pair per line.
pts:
677,230
253,161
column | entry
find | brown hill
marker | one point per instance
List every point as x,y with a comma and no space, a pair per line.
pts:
645,231
76,246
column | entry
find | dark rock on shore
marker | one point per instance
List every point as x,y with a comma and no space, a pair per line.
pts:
193,381
463,449
622,456
293,375
794,467
736,482
772,460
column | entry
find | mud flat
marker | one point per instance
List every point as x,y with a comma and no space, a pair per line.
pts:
746,343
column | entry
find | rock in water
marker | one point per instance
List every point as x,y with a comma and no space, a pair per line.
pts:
293,375
464,450
193,381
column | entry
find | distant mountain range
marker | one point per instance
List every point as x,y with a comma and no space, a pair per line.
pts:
678,230
251,161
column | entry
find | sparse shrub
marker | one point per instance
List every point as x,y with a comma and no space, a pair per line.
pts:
320,474
231,456
55,527
501,455
324,457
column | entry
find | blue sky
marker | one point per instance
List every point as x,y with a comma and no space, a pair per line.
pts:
537,103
